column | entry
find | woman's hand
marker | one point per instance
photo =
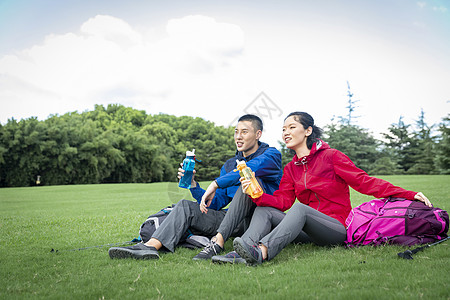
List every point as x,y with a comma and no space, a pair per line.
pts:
421,197
208,196
181,174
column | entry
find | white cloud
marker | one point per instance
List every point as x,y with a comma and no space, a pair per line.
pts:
202,67
110,59
112,29
421,4
441,8
206,36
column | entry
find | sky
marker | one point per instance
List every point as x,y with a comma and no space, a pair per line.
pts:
220,59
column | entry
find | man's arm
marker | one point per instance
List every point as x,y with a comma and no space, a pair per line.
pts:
197,192
220,198
267,166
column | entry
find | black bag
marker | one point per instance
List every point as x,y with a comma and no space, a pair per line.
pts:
154,221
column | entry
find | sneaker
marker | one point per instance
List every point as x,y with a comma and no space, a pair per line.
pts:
231,258
209,251
138,251
251,253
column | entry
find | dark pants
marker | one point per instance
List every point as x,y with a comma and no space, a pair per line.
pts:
187,215
302,224
238,216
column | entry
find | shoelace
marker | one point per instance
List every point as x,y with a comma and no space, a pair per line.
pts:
254,244
232,255
207,248
256,249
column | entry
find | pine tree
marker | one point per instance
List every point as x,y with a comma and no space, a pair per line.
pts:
357,143
424,152
399,145
442,157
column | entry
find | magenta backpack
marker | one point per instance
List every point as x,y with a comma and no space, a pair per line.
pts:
395,221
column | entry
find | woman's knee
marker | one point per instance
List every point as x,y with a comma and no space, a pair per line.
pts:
270,213
263,211
298,208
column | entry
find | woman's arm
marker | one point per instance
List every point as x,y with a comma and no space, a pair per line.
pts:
282,199
368,185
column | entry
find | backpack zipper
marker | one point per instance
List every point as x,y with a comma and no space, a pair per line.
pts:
370,225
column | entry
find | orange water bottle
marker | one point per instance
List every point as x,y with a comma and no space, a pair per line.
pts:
254,189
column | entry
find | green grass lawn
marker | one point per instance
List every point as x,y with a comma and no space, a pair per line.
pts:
35,220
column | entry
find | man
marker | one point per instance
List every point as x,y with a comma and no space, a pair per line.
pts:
205,217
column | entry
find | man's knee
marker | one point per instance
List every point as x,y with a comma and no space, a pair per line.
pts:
239,193
186,204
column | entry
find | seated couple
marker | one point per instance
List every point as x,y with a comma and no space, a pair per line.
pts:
318,177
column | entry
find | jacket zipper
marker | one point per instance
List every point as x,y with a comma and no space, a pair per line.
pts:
305,169
319,201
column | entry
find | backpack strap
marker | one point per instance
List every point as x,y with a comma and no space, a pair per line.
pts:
381,239
437,213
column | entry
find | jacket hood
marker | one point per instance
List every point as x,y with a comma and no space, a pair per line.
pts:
261,148
317,146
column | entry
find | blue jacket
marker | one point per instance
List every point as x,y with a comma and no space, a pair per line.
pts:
265,162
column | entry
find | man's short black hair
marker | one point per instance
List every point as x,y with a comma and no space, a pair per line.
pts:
256,121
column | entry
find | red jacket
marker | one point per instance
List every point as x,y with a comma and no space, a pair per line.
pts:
321,179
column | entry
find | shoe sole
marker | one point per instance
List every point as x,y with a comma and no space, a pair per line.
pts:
226,260
243,252
201,258
126,253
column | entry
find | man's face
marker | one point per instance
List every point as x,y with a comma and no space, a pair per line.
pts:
246,137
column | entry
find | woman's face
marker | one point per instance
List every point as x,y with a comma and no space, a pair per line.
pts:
294,135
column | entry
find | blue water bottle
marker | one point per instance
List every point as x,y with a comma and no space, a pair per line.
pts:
188,167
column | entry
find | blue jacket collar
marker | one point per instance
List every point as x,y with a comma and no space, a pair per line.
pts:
230,165
261,148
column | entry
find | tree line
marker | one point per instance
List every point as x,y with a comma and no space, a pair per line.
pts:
118,144
404,149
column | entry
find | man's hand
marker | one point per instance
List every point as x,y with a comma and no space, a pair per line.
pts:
181,174
208,196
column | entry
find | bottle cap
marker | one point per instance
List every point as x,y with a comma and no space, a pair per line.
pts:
240,163
190,153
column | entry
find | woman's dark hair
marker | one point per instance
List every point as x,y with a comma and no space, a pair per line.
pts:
307,121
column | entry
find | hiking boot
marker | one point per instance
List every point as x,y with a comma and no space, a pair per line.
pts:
209,251
230,257
138,251
251,253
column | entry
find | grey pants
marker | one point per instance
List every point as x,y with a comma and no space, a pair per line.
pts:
302,224
187,215
238,216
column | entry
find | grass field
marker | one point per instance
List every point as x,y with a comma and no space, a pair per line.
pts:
35,220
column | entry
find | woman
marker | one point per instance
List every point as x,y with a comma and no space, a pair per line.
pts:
319,177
